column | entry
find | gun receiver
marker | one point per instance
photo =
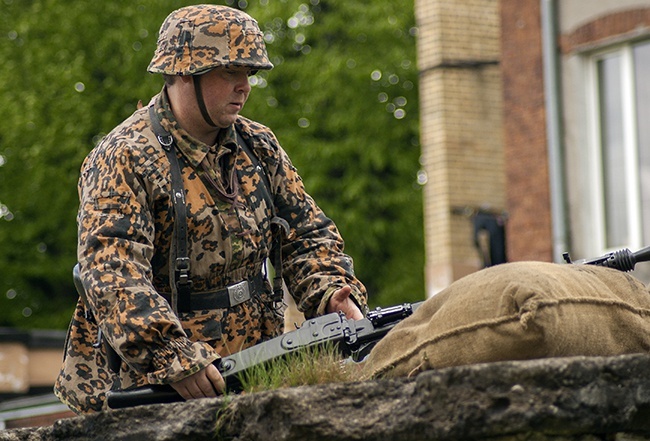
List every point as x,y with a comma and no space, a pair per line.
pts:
622,260
352,338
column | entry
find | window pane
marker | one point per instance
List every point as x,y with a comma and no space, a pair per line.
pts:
642,96
613,157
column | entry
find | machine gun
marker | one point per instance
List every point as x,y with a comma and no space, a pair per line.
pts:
622,260
352,338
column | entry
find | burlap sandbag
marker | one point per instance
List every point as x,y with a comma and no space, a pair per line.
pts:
519,311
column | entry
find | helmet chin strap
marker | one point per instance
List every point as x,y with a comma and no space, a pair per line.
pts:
199,100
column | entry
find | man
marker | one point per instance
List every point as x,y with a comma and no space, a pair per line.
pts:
174,267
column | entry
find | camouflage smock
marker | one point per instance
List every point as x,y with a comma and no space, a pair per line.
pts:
125,246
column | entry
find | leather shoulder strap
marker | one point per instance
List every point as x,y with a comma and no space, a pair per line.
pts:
182,280
266,183
279,227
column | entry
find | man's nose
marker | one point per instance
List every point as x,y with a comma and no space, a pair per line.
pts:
243,85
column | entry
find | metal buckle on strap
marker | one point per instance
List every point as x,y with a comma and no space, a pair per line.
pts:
239,293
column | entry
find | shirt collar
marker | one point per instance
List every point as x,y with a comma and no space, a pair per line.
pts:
193,149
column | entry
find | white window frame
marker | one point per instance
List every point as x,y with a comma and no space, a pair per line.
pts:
630,150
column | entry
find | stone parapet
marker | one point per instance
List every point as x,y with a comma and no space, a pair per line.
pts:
576,398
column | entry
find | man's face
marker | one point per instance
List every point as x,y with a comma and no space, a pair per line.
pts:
225,90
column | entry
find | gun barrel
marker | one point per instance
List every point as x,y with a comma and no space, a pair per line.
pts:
622,260
642,255
384,316
151,394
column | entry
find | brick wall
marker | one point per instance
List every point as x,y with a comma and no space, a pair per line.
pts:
618,26
529,228
461,115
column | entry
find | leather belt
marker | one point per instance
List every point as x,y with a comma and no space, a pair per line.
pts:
231,295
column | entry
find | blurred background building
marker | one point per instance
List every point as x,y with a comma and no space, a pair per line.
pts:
29,364
534,114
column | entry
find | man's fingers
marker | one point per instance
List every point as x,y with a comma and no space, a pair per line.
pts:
188,388
342,294
354,313
206,383
341,301
215,378
338,299
182,391
204,387
195,390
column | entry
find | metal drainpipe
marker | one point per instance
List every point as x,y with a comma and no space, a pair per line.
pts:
553,128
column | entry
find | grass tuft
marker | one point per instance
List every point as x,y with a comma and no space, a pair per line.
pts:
309,366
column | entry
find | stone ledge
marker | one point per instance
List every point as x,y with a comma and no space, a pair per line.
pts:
576,398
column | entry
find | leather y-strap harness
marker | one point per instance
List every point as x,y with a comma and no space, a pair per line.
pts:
180,278
279,226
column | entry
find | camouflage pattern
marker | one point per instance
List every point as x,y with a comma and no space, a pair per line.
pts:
198,38
125,238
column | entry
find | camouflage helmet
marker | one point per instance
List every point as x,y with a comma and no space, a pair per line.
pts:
195,39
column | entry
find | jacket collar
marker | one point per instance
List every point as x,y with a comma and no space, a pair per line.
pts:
193,149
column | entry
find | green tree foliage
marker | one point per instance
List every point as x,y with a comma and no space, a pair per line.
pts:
342,100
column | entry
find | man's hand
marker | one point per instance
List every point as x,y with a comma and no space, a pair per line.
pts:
341,301
206,383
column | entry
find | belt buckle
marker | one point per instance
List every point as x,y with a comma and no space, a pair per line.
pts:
239,293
